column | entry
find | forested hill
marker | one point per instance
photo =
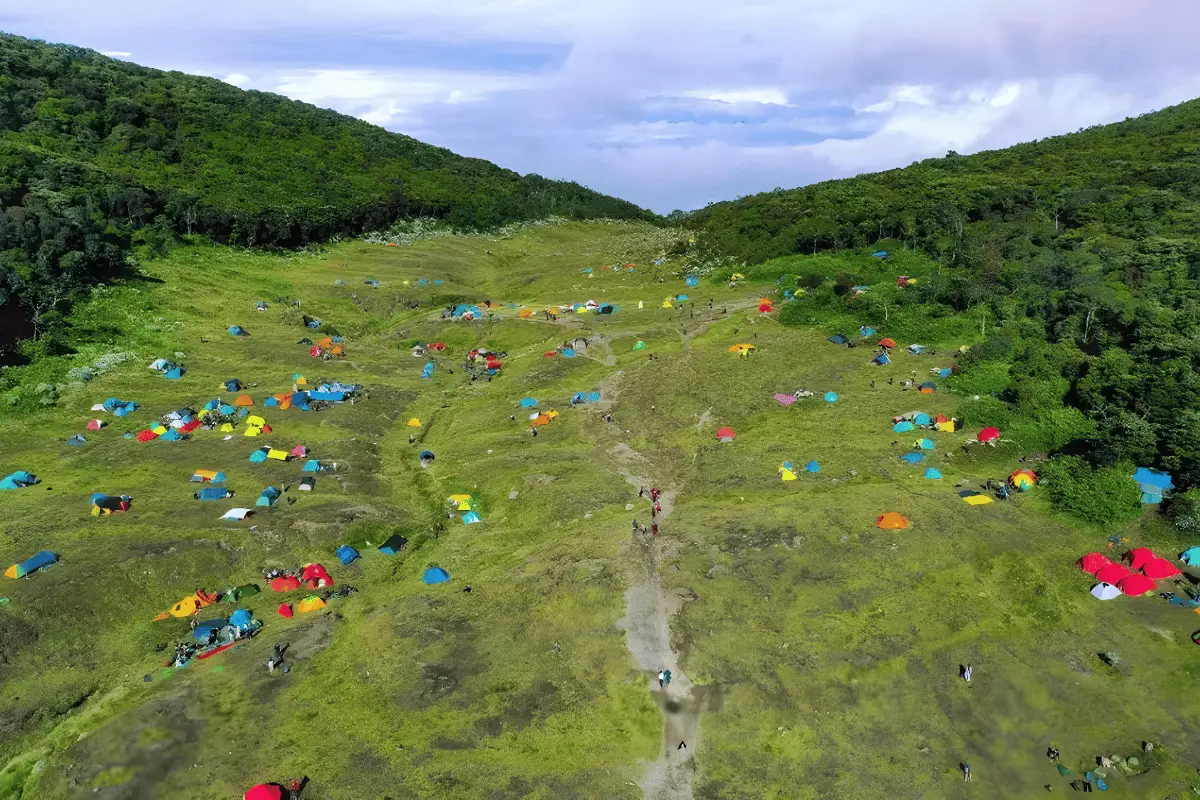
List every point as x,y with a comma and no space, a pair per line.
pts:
93,150
1132,179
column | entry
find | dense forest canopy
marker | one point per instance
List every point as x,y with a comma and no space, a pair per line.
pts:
1083,248
94,152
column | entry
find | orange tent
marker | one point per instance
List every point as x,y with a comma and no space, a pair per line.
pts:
243,401
889,343
325,343
525,313
541,419
892,521
338,350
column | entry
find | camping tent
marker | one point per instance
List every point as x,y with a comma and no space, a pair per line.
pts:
346,554
237,513
208,476
190,605
903,426
285,610
241,619
866,331
1112,573
887,343
259,455
725,435
925,444
787,472
1023,479
268,497
310,603
312,465
1136,585
237,330
393,545
1159,569
528,402
784,399
315,576
1191,556
307,484
1153,484
414,423
932,474
891,521
19,480
30,565
913,458
204,631
839,338
284,583
928,387
988,435
435,575
975,498
1138,557
812,466
831,397
95,425
77,440
1092,562
427,457
1105,591
921,419
881,359
471,517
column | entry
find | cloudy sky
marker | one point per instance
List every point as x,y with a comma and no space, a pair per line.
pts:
666,103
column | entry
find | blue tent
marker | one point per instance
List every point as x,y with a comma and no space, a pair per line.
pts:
268,497
682,298
812,466
260,455
171,436
270,402
568,352
237,330
212,405
121,411
427,457
346,554
205,630
19,480
77,440
692,280
866,330
913,458
471,518
330,397
226,409
374,284
435,575
587,270
903,426
932,474
212,493
241,619
880,254
393,545
839,338
1191,556
831,397
881,359
578,397
437,282
427,371
921,418
233,385
312,465
32,564
944,372
925,444
528,402
243,412
593,397
1153,484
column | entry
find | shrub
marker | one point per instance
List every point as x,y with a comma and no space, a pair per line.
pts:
1103,496
1184,509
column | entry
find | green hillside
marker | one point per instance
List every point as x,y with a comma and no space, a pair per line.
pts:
96,152
814,655
1078,254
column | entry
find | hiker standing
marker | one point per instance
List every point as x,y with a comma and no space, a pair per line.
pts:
966,771
654,493
654,529
966,673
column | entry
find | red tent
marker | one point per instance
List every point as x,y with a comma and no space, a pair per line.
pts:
1112,573
989,435
1159,568
491,364
285,583
316,576
1093,562
146,435
285,610
765,308
550,353
1138,557
95,425
266,791
1135,585
190,426
725,435
437,345
941,418
888,343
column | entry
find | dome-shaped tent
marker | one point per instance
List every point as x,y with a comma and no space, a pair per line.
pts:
891,521
1092,562
726,435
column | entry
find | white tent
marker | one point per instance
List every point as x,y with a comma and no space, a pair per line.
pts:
99,407
236,513
1105,591
158,364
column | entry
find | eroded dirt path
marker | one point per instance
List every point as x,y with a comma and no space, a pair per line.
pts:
647,626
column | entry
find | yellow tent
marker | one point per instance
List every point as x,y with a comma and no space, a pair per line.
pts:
414,423
787,474
159,429
583,310
977,500
310,603
667,303
189,605
255,420
947,426
737,348
552,414
525,313
206,474
252,430
463,501
227,427
278,455
302,381
202,413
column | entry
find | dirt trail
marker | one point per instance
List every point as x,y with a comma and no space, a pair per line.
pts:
647,626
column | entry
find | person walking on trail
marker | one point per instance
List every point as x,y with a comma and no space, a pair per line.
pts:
654,529
966,673
682,745
654,493
635,526
664,678
966,771
658,508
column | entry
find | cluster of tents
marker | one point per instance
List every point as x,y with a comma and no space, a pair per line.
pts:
1136,576
168,369
788,472
913,420
466,504
326,347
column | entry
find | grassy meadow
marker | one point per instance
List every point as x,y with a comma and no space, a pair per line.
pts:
827,650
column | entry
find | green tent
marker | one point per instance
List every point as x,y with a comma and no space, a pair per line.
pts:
241,592
639,345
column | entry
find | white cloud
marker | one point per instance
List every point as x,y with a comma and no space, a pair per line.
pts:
775,97
116,53
237,79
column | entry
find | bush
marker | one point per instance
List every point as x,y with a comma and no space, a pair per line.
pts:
1103,496
1184,509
